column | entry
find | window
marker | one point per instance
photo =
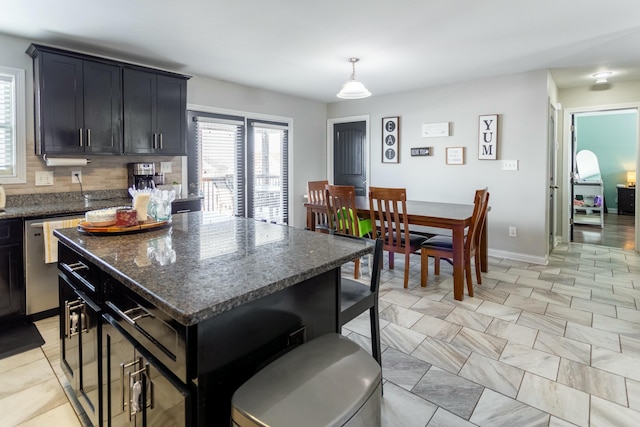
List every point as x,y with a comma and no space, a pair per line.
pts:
239,173
12,126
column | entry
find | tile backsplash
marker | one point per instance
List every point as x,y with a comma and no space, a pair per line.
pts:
103,173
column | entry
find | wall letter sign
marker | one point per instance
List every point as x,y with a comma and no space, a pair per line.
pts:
488,137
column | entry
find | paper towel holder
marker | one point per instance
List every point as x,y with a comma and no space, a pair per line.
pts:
64,161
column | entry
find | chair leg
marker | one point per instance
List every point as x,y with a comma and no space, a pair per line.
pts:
376,351
424,268
467,271
436,265
391,257
356,268
406,270
478,272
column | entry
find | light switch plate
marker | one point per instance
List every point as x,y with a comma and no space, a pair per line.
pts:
165,167
509,165
44,178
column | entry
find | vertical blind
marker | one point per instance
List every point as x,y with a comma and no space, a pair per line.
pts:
7,126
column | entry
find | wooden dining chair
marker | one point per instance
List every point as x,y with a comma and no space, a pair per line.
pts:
356,298
388,210
341,212
316,195
441,247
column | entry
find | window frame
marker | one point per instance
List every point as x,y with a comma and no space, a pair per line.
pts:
19,97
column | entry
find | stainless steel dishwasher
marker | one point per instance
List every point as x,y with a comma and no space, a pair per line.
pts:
41,279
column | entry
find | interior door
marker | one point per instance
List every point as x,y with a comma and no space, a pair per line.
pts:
552,177
572,177
349,149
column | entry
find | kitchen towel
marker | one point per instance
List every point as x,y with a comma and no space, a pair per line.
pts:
51,241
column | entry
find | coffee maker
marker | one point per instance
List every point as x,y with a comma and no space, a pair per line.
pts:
141,175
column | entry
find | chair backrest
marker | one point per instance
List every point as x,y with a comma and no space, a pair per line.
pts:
388,210
315,192
341,208
316,195
480,204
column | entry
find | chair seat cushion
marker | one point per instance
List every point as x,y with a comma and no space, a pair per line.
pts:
438,242
414,239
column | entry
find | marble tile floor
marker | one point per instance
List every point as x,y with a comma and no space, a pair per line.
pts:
538,345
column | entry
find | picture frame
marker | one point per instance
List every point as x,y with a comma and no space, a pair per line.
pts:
455,155
488,137
391,139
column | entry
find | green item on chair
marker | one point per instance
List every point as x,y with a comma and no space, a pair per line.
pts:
363,224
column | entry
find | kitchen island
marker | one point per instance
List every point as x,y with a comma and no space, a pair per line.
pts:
206,304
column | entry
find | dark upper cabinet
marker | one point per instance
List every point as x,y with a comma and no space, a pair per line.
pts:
154,113
90,105
78,105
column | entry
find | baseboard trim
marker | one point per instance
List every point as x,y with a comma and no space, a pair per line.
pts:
518,257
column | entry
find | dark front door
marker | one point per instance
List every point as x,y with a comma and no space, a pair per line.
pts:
349,166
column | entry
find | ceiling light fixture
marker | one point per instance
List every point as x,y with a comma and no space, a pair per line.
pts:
602,77
353,89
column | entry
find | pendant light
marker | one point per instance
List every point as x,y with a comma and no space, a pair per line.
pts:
353,89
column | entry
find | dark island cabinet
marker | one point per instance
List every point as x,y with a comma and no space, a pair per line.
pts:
78,105
154,113
12,286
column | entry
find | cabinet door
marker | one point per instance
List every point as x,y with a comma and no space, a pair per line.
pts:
137,391
171,98
102,108
139,96
12,292
61,104
12,289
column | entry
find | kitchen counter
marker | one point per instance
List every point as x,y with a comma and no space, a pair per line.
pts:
60,204
197,269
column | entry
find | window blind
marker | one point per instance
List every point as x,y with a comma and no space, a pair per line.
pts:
218,164
267,178
7,126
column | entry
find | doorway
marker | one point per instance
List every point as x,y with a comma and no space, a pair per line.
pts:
611,133
348,152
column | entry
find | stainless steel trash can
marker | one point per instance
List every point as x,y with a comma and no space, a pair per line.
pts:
328,381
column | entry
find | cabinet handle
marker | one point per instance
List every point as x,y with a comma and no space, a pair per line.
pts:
88,137
161,141
138,384
155,141
80,133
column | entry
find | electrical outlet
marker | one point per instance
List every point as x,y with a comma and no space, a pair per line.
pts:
76,177
44,178
509,165
165,167
513,232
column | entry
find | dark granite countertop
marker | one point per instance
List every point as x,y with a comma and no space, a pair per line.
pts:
197,268
61,204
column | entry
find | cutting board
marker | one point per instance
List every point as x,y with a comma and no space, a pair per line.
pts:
86,227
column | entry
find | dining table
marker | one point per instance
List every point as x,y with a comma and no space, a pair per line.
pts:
429,218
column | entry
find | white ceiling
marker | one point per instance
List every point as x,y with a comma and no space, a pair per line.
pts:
301,47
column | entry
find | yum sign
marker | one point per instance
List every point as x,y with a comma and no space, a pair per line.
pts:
488,137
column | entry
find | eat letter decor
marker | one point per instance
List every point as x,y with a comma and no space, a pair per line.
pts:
390,140
488,137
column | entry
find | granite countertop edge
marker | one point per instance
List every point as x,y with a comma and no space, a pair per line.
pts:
188,317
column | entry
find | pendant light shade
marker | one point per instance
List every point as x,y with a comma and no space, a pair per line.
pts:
353,89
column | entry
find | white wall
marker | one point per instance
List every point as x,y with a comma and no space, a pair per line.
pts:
517,198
